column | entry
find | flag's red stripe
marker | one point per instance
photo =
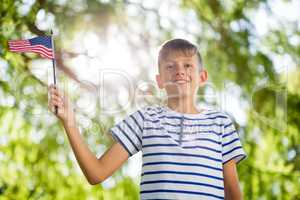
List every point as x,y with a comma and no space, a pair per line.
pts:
18,41
32,46
39,52
43,54
33,49
29,49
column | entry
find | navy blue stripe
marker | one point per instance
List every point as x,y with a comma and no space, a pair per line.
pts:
135,133
225,144
201,147
152,114
216,133
195,119
182,182
184,147
212,113
191,125
183,164
181,154
228,134
153,128
120,141
124,133
243,157
182,191
185,173
225,126
200,139
167,123
196,132
153,121
192,119
155,136
159,145
208,114
160,199
135,121
139,112
167,136
235,148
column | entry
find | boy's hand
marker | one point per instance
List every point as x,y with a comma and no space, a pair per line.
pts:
64,107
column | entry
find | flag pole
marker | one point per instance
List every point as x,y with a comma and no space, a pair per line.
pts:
53,65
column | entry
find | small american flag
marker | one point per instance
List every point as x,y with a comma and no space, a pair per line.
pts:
41,45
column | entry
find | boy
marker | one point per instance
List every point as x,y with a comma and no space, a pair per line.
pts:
187,153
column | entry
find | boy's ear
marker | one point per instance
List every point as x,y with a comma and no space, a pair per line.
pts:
159,81
203,76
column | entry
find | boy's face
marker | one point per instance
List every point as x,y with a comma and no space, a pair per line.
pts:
180,75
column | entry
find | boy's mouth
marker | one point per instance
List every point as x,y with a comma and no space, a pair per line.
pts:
181,81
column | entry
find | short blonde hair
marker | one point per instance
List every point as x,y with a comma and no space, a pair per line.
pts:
179,45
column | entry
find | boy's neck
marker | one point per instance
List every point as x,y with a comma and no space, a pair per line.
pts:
183,105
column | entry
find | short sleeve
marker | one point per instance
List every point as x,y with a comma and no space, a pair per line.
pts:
129,131
231,143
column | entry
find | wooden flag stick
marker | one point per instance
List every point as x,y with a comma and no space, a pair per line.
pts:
53,65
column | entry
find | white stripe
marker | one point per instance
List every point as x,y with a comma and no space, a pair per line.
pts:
174,196
182,168
185,187
182,159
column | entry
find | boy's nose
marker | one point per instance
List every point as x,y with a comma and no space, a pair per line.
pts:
180,70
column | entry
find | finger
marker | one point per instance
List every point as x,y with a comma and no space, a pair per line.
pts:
51,86
58,98
59,108
57,103
52,108
55,99
55,91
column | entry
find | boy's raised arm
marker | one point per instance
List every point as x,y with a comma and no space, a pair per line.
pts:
95,170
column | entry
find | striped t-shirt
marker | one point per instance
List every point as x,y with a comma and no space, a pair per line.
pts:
182,154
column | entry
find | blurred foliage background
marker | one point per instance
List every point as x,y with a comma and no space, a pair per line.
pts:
250,48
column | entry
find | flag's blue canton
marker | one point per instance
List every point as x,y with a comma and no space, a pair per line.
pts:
41,40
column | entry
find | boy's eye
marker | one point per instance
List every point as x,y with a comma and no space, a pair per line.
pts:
187,65
169,66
